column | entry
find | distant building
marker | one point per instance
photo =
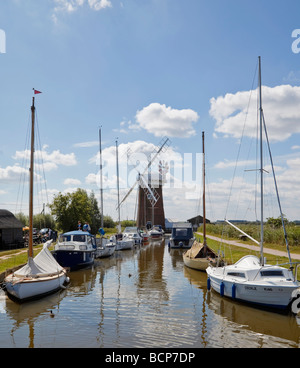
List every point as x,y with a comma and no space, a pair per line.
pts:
169,224
11,231
197,221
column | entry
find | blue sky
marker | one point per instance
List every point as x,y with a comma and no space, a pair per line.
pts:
145,69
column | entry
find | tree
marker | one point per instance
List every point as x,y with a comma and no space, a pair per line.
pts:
95,214
276,222
39,220
70,208
108,222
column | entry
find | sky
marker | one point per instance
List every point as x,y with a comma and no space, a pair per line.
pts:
143,70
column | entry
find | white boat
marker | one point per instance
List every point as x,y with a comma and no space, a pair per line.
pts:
200,256
250,279
132,232
121,243
42,274
105,248
156,233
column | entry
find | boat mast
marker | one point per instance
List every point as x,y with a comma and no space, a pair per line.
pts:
261,167
101,184
30,248
117,164
204,215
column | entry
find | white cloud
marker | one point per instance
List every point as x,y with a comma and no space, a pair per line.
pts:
280,106
72,182
161,120
12,173
49,161
99,4
70,6
86,144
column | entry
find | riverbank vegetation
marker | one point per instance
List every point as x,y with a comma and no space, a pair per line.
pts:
273,232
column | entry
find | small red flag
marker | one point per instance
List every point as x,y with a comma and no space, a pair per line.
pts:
35,91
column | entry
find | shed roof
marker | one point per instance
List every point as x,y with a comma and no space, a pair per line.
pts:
9,221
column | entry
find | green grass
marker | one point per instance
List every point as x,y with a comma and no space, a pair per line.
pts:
15,258
232,254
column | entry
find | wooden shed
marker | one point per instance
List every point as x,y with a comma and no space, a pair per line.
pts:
11,231
197,221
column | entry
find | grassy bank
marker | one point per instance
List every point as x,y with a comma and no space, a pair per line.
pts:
232,254
272,235
13,258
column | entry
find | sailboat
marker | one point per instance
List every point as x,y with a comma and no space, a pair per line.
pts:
105,248
121,241
41,275
200,256
250,279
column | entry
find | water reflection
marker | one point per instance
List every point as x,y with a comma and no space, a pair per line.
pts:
144,297
268,324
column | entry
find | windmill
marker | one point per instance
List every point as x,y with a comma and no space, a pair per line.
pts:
150,199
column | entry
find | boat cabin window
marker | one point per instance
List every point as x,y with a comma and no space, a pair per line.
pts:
79,238
236,274
271,273
181,232
64,238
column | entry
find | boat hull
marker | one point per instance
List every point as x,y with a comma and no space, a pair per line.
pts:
181,244
266,294
74,260
29,288
199,264
105,251
124,244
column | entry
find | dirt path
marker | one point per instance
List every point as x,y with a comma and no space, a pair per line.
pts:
254,247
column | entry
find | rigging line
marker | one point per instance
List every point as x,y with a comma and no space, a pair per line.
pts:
41,158
25,163
277,193
239,150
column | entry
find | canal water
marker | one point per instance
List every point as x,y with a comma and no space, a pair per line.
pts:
142,298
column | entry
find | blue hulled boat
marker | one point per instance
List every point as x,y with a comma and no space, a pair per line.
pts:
75,249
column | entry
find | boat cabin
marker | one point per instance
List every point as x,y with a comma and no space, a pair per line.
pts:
77,240
182,235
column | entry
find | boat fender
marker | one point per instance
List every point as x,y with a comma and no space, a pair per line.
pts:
233,290
208,284
222,288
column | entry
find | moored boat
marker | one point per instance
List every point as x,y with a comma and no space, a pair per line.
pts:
250,279
41,275
156,233
121,242
75,249
182,236
105,248
200,256
132,233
